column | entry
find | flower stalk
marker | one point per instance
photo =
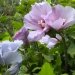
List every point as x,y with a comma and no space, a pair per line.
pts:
65,54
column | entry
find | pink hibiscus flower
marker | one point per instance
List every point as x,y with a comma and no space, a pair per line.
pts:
22,34
61,17
34,21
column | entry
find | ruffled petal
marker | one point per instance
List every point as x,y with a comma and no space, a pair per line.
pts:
8,46
48,41
58,24
59,10
12,58
1,60
15,45
69,22
35,35
45,39
43,7
35,15
58,37
69,12
13,70
31,23
22,35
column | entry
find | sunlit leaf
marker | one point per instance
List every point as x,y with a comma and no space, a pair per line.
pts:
71,49
46,70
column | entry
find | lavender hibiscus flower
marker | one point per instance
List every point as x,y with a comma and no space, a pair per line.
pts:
49,41
42,18
10,56
8,52
34,21
22,34
60,17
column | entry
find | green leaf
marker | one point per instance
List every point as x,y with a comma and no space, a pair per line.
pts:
72,35
71,32
3,18
58,60
73,73
46,69
23,70
64,74
36,68
17,25
17,16
47,58
71,49
49,1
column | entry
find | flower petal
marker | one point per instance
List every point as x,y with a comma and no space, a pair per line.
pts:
69,12
35,35
45,39
12,58
50,42
51,45
1,60
0,49
58,37
16,44
43,7
58,24
13,70
31,23
59,10
69,23
22,35
8,46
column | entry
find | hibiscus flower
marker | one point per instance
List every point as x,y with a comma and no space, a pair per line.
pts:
61,17
34,21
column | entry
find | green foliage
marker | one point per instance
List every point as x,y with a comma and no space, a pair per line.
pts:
49,1
71,50
46,69
11,15
35,55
